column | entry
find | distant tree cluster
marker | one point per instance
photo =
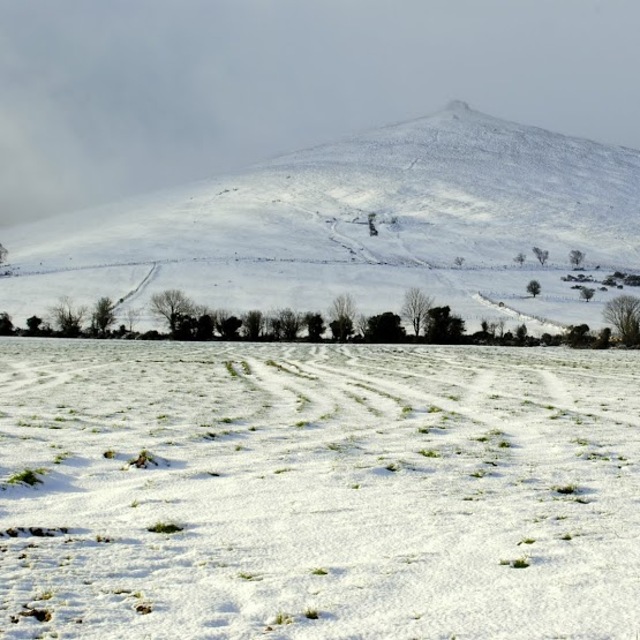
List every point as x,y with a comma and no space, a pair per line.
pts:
430,324
576,257
183,319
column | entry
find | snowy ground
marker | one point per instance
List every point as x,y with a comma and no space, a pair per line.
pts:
393,492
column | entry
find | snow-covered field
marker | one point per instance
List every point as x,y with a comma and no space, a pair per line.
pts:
323,491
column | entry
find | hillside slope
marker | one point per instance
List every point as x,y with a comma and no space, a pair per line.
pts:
296,230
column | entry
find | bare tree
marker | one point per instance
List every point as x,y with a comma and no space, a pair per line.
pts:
199,310
362,324
533,288
416,309
576,257
67,318
103,316
586,293
520,259
343,305
458,261
541,254
343,313
132,316
170,305
623,313
3,254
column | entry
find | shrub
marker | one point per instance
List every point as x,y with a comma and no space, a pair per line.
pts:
33,325
443,327
385,327
578,336
228,327
314,323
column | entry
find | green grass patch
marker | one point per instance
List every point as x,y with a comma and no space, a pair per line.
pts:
520,563
165,527
249,577
61,457
567,489
429,453
28,476
283,618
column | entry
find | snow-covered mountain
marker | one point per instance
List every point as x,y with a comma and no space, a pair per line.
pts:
371,215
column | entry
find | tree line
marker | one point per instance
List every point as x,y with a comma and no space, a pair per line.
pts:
185,320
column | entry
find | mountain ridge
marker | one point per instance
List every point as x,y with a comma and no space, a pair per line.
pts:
456,184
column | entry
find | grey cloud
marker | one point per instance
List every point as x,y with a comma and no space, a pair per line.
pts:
104,99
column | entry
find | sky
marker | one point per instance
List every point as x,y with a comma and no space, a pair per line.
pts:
102,100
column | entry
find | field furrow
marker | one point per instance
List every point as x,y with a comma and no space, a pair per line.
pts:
317,491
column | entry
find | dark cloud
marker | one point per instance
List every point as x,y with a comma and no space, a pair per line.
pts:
104,99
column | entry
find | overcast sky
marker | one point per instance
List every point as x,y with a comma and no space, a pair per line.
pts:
104,98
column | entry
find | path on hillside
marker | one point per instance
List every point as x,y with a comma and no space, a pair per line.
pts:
519,315
128,296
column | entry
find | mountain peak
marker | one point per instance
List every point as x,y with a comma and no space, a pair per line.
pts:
458,105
